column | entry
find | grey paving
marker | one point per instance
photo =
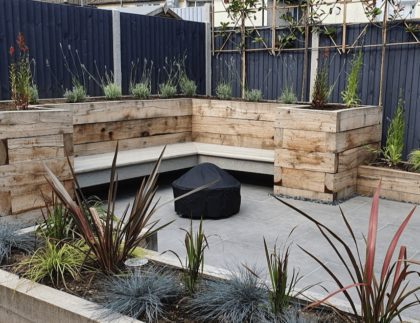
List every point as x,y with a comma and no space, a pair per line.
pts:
239,239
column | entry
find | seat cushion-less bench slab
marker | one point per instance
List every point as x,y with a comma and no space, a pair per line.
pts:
95,169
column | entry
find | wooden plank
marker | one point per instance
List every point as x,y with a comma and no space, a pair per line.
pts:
132,143
375,171
358,137
4,158
409,183
259,111
306,119
237,127
352,158
30,197
313,161
330,142
301,179
32,173
389,194
35,148
293,192
339,181
17,124
68,144
360,117
110,111
110,131
5,203
233,140
278,137
327,121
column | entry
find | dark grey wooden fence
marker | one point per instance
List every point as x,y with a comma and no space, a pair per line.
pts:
272,73
64,35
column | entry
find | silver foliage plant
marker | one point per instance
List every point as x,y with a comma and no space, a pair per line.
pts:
11,238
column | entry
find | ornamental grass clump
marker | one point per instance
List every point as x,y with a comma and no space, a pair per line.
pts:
242,298
11,238
144,294
381,298
224,91
288,96
414,160
253,95
20,75
55,261
349,95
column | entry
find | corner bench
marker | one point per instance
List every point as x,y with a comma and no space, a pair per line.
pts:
95,169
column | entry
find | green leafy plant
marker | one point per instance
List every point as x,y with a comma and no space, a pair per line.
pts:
288,96
394,145
253,95
142,89
76,94
110,241
321,90
414,160
57,223
33,94
282,285
383,298
242,298
56,261
11,238
349,95
187,86
224,91
142,294
167,90
112,90
20,76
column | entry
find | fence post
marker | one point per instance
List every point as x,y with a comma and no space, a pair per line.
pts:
314,62
208,58
116,46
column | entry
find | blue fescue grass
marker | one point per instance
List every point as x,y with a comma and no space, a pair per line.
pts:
141,294
10,238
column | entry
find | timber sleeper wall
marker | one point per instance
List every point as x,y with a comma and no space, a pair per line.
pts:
395,184
318,151
27,140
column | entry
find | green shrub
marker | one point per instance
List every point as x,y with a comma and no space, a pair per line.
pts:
224,90
349,95
33,94
288,96
414,160
141,90
56,261
187,86
140,294
253,95
112,91
394,145
167,90
321,90
76,94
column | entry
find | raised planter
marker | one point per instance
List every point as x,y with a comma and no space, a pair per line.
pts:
318,151
25,301
396,185
27,140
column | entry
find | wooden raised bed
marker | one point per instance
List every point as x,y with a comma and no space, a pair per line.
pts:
318,151
396,185
27,140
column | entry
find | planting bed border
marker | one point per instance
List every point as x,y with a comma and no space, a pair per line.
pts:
396,184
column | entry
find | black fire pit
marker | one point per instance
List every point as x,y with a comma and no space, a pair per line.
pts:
221,200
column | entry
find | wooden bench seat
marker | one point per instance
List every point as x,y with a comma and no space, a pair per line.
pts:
95,169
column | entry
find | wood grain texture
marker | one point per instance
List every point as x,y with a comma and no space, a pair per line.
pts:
310,195
312,161
395,184
110,131
233,140
300,179
5,203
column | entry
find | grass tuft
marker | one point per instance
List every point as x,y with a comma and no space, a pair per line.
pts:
224,90
11,239
253,95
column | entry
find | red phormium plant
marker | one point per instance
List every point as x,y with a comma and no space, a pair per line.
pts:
20,73
381,299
